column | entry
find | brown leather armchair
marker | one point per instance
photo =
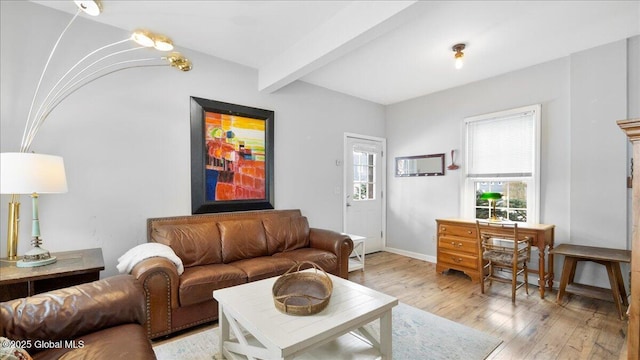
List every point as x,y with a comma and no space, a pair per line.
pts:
98,320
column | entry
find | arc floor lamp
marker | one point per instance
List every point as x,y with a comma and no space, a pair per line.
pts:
27,173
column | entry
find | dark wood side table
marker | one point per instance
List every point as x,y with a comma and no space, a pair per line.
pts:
72,268
610,258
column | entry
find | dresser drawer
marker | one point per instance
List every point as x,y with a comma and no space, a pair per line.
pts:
458,259
458,244
458,230
533,237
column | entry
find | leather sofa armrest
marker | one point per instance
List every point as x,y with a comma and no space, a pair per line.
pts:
339,244
74,311
160,280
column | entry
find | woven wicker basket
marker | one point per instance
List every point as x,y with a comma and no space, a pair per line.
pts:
302,293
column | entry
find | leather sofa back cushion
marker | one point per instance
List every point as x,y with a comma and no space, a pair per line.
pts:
242,239
286,233
195,244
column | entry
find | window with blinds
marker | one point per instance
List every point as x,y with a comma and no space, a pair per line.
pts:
502,155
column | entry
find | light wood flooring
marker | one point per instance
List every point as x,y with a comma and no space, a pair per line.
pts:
533,328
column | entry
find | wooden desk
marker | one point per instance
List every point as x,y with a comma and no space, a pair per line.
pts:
458,248
72,268
610,258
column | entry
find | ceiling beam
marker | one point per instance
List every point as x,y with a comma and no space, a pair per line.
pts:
355,25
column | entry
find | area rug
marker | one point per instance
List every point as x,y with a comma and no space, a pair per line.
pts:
417,335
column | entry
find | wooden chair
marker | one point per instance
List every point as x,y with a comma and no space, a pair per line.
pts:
501,248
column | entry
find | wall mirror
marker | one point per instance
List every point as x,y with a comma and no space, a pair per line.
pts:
420,165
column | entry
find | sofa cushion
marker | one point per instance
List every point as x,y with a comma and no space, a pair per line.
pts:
326,260
198,282
195,244
286,233
242,239
263,267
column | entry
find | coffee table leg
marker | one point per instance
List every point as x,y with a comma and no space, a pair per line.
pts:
223,323
385,336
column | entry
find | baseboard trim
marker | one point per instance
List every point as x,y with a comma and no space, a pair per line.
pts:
533,280
411,254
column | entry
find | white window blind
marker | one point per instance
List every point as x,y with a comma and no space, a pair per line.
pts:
503,146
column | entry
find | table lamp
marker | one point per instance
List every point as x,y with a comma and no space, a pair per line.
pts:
492,197
28,173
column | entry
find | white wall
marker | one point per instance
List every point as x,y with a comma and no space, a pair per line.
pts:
582,151
125,138
598,210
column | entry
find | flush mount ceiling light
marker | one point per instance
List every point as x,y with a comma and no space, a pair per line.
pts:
457,48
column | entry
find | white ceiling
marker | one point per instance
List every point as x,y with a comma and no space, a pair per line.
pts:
382,51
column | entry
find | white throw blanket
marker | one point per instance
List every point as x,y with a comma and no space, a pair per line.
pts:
132,257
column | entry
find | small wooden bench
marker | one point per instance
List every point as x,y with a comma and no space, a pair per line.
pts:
610,258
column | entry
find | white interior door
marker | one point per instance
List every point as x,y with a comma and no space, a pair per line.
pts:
364,190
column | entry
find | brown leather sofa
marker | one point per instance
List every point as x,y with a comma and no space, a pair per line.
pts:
227,249
98,320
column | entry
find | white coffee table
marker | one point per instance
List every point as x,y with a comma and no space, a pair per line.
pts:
262,332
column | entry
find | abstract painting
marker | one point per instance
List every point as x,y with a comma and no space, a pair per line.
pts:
231,157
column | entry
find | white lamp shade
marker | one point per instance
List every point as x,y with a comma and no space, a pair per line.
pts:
26,173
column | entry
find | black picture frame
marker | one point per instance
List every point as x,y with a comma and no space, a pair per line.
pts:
199,202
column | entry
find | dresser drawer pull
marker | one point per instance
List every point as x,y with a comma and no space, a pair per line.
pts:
469,232
458,245
456,260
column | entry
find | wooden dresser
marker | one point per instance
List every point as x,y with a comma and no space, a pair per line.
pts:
458,248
